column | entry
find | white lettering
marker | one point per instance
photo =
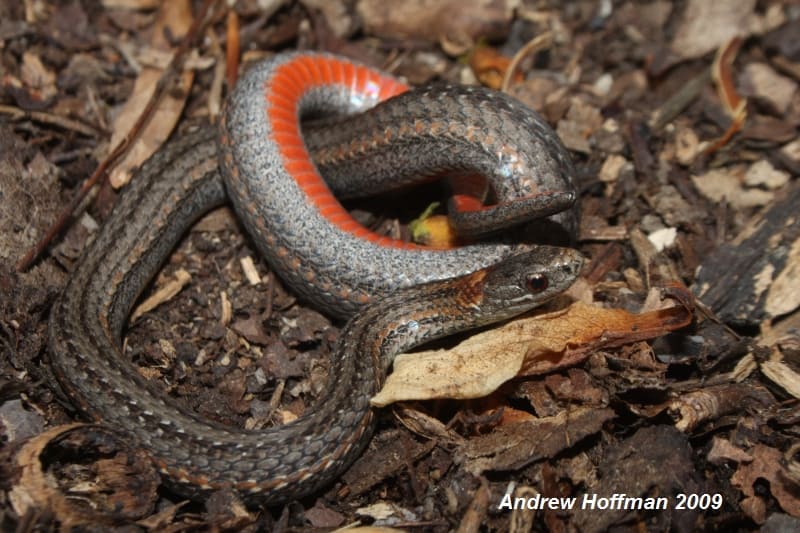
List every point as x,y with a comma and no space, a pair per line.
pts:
536,503
589,501
505,503
622,502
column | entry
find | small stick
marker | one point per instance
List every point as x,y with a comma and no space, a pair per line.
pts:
49,118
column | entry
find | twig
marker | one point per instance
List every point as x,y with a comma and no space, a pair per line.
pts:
680,100
534,45
49,118
232,58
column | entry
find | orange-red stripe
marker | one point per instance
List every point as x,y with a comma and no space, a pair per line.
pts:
289,83
464,203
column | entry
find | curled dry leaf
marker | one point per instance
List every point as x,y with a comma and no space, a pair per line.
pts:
121,485
526,346
490,66
735,106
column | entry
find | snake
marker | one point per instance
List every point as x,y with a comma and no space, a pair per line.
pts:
394,296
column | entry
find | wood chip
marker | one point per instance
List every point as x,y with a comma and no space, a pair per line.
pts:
164,293
760,267
250,271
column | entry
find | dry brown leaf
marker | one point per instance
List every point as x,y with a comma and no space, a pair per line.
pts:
34,489
582,121
727,184
38,489
723,450
174,18
761,80
40,81
707,25
526,346
490,66
162,519
446,21
766,465
762,174
426,425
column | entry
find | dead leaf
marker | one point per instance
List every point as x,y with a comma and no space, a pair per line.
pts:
763,174
656,461
386,512
490,66
706,26
174,18
388,456
582,121
122,485
322,516
693,408
526,346
761,80
445,21
723,450
40,80
766,465
19,423
160,520
727,184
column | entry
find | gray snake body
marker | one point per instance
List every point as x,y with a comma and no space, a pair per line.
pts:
417,295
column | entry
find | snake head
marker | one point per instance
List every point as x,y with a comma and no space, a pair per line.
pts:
526,280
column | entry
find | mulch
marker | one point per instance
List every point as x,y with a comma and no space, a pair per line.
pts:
682,118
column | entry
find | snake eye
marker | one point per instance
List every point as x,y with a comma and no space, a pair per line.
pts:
536,283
